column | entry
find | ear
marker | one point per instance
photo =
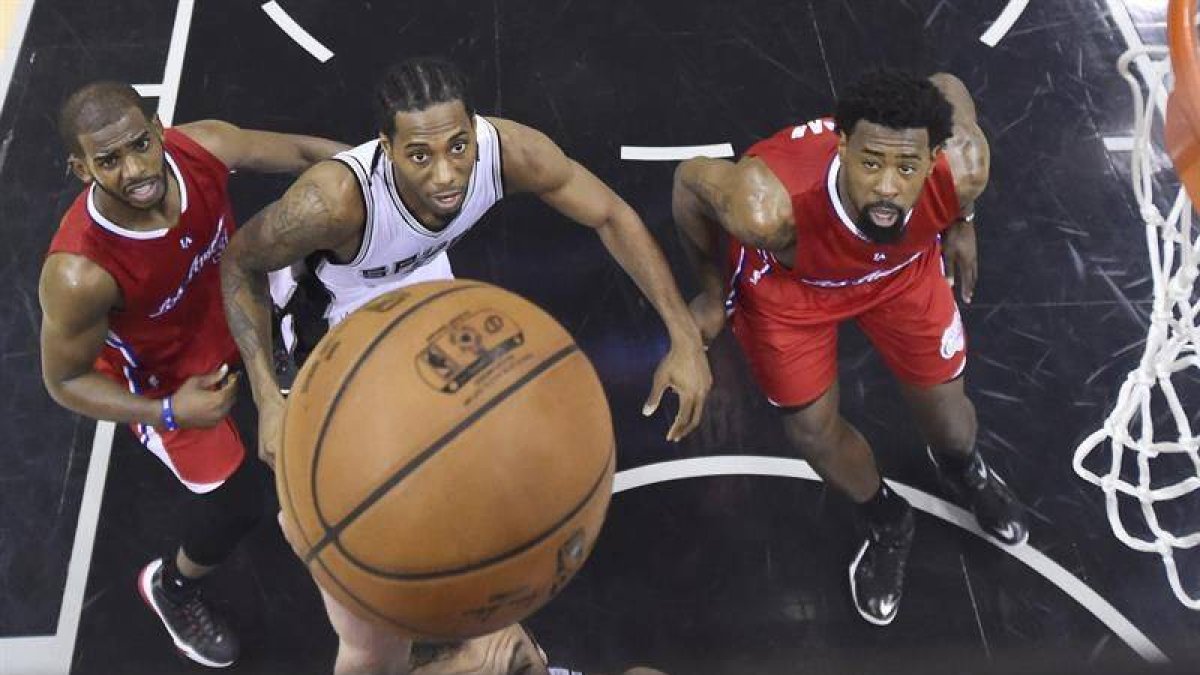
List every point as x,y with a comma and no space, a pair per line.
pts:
843,141
79,169
156,124
385,143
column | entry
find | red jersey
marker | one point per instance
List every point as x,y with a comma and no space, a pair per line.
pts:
172,322
831,252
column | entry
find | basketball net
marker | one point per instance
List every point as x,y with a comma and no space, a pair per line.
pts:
1172,344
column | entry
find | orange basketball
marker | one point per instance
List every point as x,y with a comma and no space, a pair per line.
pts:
447,459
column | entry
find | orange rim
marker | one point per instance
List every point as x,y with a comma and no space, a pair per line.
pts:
1183,108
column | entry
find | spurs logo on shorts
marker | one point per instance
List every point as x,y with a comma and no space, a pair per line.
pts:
952,337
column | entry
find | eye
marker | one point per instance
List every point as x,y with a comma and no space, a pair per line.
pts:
106,162
419,157
907,170
459,148
870,164
142,144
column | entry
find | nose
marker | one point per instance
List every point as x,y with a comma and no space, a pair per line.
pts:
133,167
443,173
888,186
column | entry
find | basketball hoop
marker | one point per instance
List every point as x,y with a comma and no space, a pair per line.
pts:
1173,344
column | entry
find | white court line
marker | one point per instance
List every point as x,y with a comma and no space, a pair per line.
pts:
1118,143
750,465
665,153
15,38
52,654
1003,23
295,31
148,90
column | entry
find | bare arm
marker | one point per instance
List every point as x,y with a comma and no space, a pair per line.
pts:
745,200
533,163
264,151
967,149
321,211
76,296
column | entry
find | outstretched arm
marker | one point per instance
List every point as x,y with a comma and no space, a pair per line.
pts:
264,151
321,211
970,162
533,163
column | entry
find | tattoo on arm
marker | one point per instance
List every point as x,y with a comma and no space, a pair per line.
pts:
277,236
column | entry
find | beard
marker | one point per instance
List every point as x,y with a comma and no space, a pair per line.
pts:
878,233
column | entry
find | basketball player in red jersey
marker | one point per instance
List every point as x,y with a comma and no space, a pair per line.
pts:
403,198
840,219
133,329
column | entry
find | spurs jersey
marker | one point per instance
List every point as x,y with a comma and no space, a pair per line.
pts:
397,250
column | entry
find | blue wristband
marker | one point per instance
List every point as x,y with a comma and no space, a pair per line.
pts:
168,415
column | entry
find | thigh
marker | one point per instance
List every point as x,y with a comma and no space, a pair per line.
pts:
793,364
918,331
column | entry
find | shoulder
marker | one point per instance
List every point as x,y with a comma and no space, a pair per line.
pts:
532,162
760,195
215,137
75,286
330,190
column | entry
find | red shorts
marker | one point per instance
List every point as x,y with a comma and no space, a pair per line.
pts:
200,458
788,328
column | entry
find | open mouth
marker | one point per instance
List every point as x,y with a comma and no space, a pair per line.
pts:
883,216
144,191
448,200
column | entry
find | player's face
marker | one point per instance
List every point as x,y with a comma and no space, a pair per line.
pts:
433,151
885,170
125,159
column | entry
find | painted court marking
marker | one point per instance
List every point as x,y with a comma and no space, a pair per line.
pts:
674,153
295,31
750,465
1003,23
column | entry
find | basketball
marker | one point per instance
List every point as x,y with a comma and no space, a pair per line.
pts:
447,459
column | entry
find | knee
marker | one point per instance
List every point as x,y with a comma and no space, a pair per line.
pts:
816,437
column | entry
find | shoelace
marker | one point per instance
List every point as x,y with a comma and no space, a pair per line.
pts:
198,616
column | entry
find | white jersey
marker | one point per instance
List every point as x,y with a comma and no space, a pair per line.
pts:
397,250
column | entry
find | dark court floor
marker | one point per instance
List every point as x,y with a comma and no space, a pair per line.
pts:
708,574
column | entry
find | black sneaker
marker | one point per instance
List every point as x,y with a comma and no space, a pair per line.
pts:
989,498
877,572
198,633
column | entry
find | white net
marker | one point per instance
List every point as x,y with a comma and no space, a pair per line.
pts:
1129,436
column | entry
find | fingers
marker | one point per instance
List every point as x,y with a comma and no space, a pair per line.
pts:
691,409
656,393
213,378
970,275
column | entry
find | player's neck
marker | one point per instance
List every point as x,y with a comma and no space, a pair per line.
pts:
163,216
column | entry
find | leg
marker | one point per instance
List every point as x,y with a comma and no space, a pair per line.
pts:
920,335
836,450
216,521
945,417
795,363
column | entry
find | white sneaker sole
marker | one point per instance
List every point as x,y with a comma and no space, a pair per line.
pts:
144,589
854,591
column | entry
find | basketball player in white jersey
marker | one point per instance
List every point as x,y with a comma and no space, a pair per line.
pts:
382,216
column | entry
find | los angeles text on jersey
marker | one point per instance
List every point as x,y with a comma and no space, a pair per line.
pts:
410,263
210,255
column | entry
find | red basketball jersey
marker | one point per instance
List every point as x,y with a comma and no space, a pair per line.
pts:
830,249
172,323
